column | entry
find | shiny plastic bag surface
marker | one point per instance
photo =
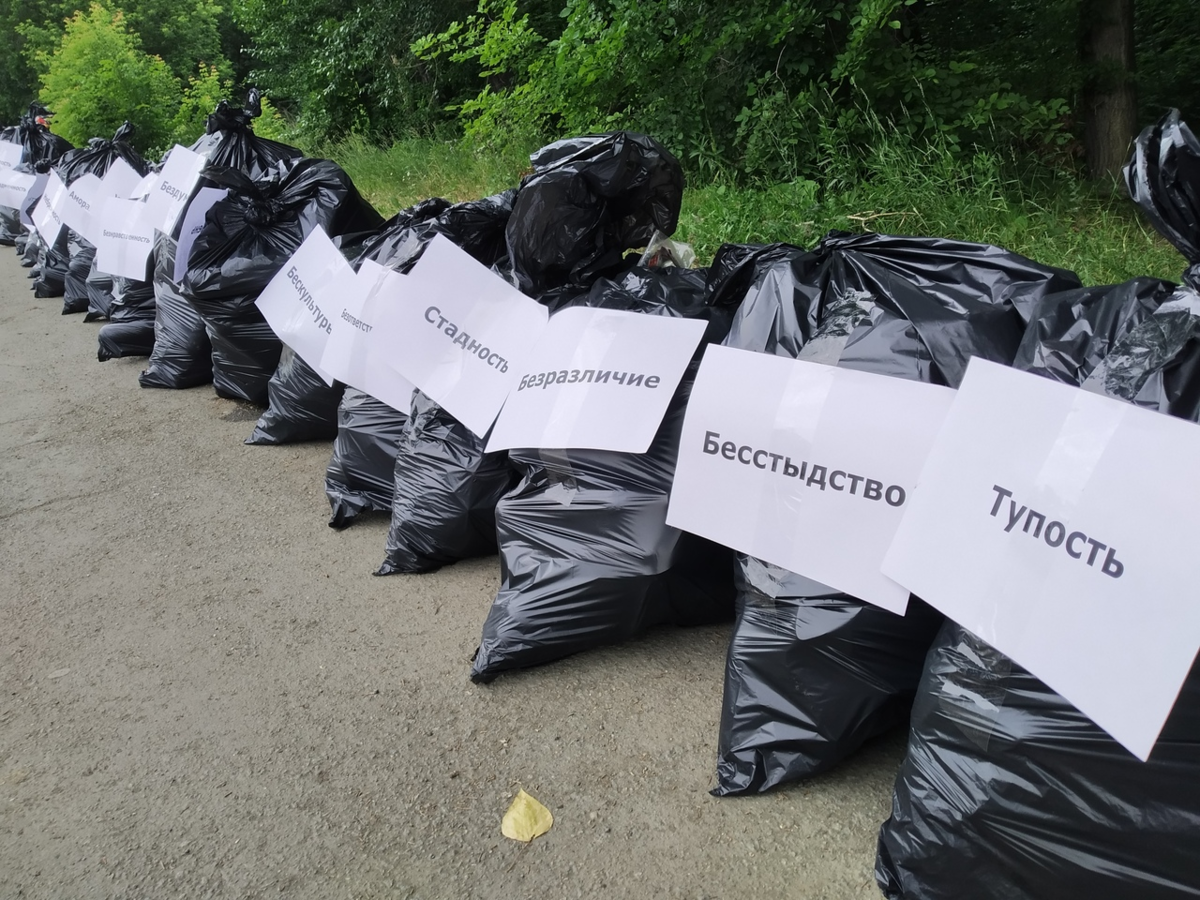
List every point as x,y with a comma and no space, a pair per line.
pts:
813,673
182,353
361,473
586,556
588,200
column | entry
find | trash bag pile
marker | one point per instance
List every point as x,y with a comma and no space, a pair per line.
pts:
86,289
1006,786
1007,791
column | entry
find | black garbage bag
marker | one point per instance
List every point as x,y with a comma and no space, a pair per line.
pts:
588,200
445,493
246,239
1008,792
813,673
11,230
1163,178
29,253
130,331
182,353
476,226
42,147
229,141
80,257
100,296
99,155
52,268
586,555
302,407
360,474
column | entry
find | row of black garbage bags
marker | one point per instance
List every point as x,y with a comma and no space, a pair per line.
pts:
1007,791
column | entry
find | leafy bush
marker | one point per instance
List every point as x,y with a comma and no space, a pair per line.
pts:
736,89
99,76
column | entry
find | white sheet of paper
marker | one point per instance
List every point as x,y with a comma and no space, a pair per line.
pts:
10,154
121,179
170,195
351,355
753,417
144,187
45,217
125,239
559,402
14,187
193,224
296,303
1118,648
460,332
31,198
79,207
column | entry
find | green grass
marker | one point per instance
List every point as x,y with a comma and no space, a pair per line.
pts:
1048,216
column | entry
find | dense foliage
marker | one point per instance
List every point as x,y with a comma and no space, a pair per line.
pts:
763,89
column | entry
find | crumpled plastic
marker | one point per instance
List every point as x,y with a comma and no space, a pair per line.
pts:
360,476
182,354
301,406
586,555
444,487
1163,178
247,237
229,141
130,331
814,673
81,256
1008,792
588,200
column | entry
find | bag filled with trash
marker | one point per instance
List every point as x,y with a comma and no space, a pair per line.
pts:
586,555
246,239
182,355
587,201
1008,792
812,672
444,486
130,330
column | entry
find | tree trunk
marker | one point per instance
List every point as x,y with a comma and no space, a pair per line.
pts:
1109,96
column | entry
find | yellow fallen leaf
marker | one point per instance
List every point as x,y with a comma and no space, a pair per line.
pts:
525,819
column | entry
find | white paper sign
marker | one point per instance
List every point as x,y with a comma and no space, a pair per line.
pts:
599,379
193,224
79,206
121,179
144,187
294,302
460,333
804,465
170,195
14,187
10,154
124,239
1062,527
351,355
31,198
45,217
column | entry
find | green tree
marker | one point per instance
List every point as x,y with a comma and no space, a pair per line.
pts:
185,33
99,76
